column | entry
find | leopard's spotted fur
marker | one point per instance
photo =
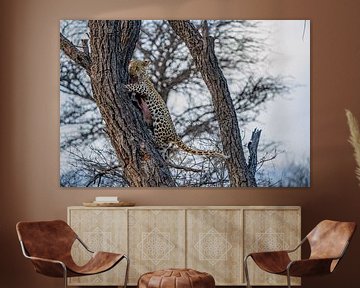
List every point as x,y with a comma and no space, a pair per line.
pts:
164,130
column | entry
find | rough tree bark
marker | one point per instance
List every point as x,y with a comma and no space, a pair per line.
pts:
201,48
112,44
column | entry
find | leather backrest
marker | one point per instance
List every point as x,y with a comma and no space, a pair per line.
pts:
329,238
46,239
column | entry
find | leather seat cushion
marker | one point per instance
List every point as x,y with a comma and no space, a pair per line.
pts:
176,278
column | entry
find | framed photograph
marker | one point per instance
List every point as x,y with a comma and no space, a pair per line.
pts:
184,103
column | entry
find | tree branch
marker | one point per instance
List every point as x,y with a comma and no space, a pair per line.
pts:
253,146
85,46
173,165
202,50
79,57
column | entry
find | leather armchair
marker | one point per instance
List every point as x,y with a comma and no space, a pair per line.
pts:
328,242
48,245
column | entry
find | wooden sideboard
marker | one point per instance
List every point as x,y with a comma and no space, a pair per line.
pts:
211,239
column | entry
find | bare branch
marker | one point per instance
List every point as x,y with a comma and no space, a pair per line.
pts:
85,45
184,167
92,166
79,57
253,146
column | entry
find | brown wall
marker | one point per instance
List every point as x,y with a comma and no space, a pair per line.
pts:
29,111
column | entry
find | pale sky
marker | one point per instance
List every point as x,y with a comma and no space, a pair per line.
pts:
287,119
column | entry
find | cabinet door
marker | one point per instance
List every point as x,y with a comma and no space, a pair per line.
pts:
214,244
270,230
101,230
156,240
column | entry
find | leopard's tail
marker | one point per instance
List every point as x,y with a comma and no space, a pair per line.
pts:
209,153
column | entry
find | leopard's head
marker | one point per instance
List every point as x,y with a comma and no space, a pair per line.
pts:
138,67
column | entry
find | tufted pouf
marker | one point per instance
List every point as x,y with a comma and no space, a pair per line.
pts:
176,278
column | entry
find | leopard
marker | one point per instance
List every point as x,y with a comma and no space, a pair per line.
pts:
163,127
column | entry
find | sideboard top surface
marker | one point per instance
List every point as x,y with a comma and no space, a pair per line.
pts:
193,207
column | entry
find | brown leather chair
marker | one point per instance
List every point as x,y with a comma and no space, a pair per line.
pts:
328,242
48,245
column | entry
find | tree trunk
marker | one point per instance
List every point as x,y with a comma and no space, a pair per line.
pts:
202,50
112,44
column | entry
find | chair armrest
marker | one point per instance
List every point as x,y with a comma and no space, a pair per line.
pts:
84,245
309,267
281,251
46,260
298,246
49,267
271,261
268,253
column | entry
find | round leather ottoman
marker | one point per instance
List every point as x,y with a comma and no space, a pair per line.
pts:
176,278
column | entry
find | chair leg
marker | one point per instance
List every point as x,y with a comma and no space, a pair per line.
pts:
126,271
246,270
65,275
288,278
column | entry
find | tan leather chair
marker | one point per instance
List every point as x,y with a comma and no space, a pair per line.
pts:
48,245
328,242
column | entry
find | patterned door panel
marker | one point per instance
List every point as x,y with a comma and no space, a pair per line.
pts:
270,230
100,230
157,240
214,241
